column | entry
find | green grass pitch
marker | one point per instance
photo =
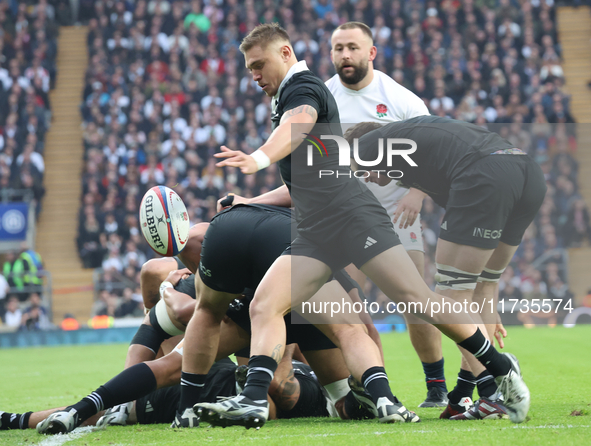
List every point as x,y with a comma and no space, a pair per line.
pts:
556,365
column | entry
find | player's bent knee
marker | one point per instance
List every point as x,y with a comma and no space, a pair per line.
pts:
151,268
490,275
258,308
167,370
345,332
451,278
148,337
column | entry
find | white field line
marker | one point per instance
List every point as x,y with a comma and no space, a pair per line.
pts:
59,440
377,433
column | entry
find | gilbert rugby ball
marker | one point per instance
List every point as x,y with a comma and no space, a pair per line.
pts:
164,221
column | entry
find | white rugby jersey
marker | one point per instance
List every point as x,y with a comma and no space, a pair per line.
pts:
384,100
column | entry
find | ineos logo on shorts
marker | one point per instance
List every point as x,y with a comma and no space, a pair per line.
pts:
204,270
345,155
487,233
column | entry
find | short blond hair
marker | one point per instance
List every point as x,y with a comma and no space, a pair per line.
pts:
262,35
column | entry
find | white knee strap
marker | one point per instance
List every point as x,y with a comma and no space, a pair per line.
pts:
451,278
490,275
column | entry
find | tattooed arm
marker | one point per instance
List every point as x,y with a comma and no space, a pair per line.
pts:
280,144
285,388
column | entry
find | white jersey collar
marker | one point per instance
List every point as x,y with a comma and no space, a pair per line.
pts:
295,68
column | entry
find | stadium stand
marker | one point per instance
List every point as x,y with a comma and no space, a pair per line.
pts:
28,71
166,86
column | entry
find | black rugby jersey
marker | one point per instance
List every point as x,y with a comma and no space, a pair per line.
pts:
445,147
315,197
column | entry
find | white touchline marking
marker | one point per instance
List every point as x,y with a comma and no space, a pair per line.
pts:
415,431
58,440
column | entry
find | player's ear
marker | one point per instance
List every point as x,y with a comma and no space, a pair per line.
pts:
286,52
373,51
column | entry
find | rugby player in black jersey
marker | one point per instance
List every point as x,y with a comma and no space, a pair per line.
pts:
491,192
336,217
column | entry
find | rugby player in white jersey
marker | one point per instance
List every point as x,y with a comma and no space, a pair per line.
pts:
365,94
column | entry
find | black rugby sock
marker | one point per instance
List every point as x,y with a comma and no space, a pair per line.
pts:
192,385
261,369
464,387
14,420
376,383
129,385
434,375
487,354
486,384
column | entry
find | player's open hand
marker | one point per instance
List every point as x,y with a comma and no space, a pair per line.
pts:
408,208
500,332
175,276
230,200
236,158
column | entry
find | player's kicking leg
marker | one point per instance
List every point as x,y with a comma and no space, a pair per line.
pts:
273,299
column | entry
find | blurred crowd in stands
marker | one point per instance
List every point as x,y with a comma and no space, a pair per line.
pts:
28,50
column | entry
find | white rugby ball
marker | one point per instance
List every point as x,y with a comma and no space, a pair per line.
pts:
164,221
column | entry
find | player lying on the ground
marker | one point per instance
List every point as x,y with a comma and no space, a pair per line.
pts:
491,192
338,222
295,393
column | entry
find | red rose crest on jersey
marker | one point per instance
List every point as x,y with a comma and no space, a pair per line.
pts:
413,237
381,110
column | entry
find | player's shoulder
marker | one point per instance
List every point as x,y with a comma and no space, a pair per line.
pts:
305,79
408,103
388,84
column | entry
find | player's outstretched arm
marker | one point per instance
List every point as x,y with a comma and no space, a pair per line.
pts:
280,144
276,197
